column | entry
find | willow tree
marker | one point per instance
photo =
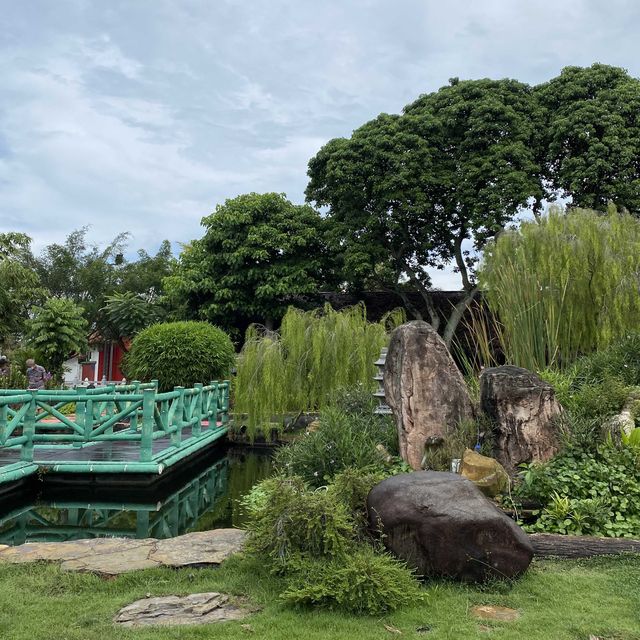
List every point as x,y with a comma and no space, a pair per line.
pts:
313,354
565,285
408,191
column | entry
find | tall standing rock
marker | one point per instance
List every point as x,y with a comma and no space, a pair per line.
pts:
424,389
523,408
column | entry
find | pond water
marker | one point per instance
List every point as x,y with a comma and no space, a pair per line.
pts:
204,495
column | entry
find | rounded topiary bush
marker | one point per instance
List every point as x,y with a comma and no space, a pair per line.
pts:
179,354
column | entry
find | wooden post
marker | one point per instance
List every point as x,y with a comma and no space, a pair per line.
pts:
196,430
146,438
28,429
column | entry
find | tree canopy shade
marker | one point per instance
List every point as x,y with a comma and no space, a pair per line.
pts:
258,253
405,191
592,136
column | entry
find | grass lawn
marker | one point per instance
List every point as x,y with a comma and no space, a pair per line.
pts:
557,600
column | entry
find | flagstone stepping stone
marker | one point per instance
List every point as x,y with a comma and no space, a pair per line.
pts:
113,556
494,612
196,608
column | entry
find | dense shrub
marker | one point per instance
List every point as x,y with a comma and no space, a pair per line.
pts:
363,582
594,493
620,361
342,440
286,519
316,539
179,354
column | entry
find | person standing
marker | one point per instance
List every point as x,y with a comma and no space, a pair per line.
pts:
35,374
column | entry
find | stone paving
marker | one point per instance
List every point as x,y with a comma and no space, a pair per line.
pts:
113,556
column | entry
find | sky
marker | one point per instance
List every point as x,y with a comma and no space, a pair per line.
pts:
143,115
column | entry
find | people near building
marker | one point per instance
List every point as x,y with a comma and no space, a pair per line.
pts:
36,375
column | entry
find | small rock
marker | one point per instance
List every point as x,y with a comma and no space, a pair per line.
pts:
196,608
494,612
486,473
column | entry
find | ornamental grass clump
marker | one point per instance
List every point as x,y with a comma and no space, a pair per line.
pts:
564,286
298,368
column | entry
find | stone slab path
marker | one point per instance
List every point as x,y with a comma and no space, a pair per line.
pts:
113,556
197,608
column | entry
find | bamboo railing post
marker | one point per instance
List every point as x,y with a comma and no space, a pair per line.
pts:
146,438
4,409
225,403
28,429
196,430
133,418
214,402
178,418
81,412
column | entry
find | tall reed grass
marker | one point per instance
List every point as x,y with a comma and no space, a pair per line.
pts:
564,286
298,368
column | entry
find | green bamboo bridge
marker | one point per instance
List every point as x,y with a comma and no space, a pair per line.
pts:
128,429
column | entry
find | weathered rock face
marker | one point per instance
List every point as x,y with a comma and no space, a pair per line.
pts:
486,473
523,408
424,388
196,608
442,525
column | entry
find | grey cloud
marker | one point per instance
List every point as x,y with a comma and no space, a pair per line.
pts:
142,116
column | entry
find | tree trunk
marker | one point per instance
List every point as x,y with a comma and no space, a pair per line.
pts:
456,316
548,544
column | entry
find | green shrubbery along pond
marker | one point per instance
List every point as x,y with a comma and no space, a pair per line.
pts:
179,354
298,368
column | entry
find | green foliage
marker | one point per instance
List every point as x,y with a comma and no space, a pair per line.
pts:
124,315
466,435
258,254
620,361
288,519
587,493
315,538
564,286
591,136
363,582
297,369
20,286
342,441
57,329
405,191
179,354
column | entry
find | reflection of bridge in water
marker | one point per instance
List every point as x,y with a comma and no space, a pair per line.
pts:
71,519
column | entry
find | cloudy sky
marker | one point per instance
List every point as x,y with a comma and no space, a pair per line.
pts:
142,115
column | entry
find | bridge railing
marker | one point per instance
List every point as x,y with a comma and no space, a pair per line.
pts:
137,413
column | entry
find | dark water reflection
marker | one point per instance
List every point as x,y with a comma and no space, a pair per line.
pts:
203,496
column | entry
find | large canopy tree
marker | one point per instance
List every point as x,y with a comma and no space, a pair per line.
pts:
259,252
406,191
592,136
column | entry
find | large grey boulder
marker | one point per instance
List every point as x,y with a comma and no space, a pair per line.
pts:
442,525
524,409
424,388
